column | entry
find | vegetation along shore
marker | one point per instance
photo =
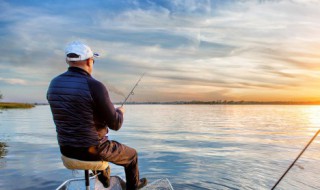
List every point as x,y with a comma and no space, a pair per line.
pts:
8,105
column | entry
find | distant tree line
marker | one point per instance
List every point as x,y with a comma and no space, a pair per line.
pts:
231,102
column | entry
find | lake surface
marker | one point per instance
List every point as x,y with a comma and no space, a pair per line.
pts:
194,146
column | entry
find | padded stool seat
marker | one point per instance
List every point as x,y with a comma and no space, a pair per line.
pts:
74,164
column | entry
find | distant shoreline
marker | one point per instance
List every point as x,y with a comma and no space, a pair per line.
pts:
12,105
5,105
225,103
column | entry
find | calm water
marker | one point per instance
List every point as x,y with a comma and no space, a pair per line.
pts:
194,146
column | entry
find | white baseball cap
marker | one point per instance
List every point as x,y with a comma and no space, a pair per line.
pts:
80,49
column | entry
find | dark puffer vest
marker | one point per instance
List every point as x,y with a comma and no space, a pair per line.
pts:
80,106
72,108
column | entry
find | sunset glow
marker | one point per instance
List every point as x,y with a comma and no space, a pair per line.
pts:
190,50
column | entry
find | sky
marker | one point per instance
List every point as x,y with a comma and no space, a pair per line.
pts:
266,50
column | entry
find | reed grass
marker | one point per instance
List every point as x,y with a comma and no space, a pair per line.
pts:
9,105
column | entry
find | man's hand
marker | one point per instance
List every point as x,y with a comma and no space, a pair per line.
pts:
121,109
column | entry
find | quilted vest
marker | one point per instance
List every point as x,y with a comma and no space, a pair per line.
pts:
72,105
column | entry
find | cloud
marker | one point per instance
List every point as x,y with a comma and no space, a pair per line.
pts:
13,81
209,45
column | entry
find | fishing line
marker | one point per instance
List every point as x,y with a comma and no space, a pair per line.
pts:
296,159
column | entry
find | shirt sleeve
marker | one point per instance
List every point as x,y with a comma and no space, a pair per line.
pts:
104,108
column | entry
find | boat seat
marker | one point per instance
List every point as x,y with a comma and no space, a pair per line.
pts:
74,164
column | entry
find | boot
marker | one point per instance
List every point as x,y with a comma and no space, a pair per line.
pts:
142,182
104,177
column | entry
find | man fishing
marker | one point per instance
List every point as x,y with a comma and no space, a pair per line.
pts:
83,113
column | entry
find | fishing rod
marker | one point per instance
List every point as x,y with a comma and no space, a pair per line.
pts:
296,159
131,92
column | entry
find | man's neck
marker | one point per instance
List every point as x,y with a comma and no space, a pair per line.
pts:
81,67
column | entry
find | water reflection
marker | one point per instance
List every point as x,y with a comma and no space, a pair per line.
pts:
313,115
3,149
3,153
195,147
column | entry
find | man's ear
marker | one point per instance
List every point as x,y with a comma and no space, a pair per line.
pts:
88,62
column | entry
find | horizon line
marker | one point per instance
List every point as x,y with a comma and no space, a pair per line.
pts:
213,102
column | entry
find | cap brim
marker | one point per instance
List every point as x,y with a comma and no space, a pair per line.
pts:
73,59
